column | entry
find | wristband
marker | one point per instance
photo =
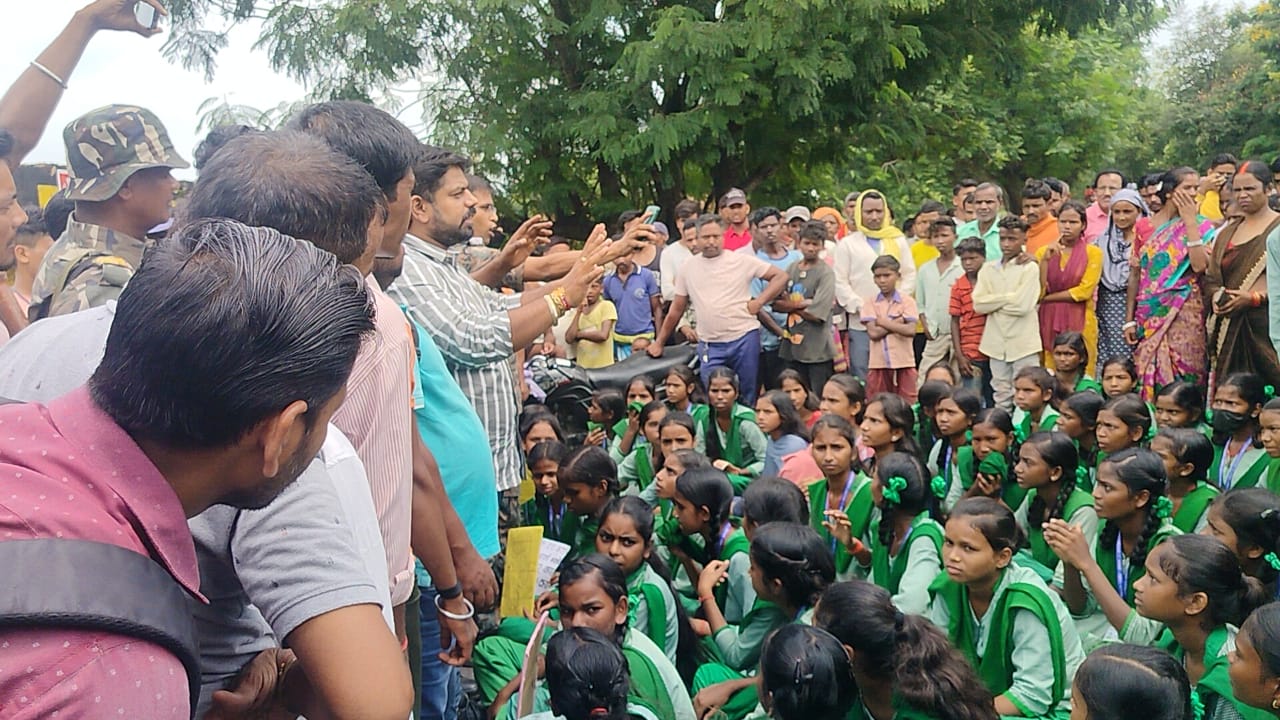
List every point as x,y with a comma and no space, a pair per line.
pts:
855,546
450,593
561,299
471,610
52,76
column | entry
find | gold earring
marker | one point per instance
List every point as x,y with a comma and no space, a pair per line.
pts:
1275,704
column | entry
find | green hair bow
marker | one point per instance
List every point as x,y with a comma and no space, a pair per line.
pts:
1197,706
938,485
1164,507
1269,391
893,488
1082,475
1273,560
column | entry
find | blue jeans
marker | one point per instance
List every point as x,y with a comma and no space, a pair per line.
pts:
741,355
859,355
441,683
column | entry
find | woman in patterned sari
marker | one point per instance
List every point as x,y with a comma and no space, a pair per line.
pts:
1235,285
1166,310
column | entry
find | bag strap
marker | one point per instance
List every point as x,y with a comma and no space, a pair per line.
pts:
85,585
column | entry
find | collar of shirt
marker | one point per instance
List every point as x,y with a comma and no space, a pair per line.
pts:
104,239
895,298
422,247
133,478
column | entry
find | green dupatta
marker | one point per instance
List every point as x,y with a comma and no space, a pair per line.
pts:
655,604
1040,549
1215,683
996,666
1193,507
858,508
887,572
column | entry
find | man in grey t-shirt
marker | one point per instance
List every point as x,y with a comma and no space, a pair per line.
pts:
314,550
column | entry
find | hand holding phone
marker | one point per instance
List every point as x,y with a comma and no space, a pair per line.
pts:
650,215
146,15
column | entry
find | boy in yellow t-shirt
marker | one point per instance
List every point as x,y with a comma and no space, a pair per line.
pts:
591,331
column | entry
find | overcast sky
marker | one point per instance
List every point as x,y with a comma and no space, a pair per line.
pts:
127,68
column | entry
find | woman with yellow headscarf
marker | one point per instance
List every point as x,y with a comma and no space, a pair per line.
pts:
873,235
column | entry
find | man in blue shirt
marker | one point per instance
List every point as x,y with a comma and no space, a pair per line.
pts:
766,226
635,293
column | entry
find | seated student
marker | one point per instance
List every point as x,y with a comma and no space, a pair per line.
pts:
1078,420
840,502
1181,404
802,396
1071,363
926,407
952,453
790,572
1187,455
684,392
1195,595
843,395
635,471
1247,520
804,675
887,426
1124,422
700,505
1047,470
989,472
548,508
591,330
1033,392
1116,682
627,431
606,412
732,439
1119,376
676,431
587,679
588,480
772,499
903,666
906,540
626,537
780,422
666,530
1011,626
592,592
1099,580
1239,460
1255,665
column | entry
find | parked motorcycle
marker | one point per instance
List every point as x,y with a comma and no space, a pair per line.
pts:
569,387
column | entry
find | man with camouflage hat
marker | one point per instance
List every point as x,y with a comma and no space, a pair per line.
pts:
120,157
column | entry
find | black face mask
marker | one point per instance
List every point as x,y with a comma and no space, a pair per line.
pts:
1226,421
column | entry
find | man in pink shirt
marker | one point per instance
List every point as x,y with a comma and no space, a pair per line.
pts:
718,286
734,212
1105,184
229,353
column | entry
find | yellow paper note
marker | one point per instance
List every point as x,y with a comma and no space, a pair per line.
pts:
527,488
521,573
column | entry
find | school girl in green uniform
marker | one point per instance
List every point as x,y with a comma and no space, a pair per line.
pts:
1132,681
1033,391
789,572
1079,421
1047,469
1013,629
626,537
589,480
587,679
592,592
1187,455
1099,580
700,506
804,675
628,431
840,503
666,529
1239,460
1247,520
954,417
685,394
886,427
1181,405
988,470
1269,436
906,540
1255,666
733,441
636,470
1195,588
904,667
548,508
1070,364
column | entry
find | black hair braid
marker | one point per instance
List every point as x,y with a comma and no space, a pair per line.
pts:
1149,530
1064,492
887,514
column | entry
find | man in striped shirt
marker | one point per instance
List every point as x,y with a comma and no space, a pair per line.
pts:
478,330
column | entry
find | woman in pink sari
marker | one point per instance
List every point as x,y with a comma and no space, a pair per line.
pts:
1166,311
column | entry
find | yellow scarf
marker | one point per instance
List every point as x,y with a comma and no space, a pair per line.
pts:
886,232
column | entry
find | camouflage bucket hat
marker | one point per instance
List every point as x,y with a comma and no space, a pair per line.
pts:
108,145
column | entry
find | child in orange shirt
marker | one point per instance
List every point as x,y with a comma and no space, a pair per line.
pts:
890,318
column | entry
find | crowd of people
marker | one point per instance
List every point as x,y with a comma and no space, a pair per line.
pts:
260,452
